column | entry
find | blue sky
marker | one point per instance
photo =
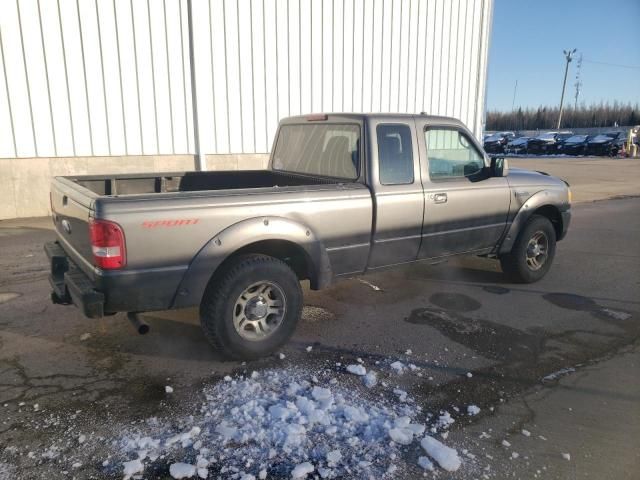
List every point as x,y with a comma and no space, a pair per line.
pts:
527,42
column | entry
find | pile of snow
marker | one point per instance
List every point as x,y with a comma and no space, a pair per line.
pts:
280,423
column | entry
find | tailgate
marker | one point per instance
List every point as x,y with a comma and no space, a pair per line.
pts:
71,210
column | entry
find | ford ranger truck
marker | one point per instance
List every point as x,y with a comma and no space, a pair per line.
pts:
343,195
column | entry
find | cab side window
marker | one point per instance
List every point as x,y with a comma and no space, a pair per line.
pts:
395,154
451,154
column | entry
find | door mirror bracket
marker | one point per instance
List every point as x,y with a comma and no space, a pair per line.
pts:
499,167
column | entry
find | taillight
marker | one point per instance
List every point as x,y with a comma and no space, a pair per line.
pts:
107,244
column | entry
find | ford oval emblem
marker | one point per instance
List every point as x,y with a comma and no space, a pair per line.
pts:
66,225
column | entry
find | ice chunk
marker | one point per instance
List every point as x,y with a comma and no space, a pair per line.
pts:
398,367
334,456
355,414
403,436
416,428
182,470
302,470
132,467
444,420
425,463
446,457
526,433
226,431
321,394
566,456
168,389
356,369
505,444
370,379
402,395
473,410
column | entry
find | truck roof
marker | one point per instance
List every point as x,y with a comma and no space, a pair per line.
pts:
334,117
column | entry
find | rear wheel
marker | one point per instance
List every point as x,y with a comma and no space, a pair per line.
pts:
252,308
533,252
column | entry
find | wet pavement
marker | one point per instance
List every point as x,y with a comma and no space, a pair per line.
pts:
472,337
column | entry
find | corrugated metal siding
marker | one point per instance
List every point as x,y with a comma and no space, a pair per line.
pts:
112,77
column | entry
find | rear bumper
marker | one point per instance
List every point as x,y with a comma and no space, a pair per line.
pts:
107,292
70,285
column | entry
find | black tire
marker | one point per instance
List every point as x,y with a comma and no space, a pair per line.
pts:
219,307
519,265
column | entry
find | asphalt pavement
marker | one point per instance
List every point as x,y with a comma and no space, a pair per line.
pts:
558,359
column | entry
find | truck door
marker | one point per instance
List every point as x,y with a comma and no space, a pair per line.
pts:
466,209
395,177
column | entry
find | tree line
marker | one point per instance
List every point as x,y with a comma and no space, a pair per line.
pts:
546,118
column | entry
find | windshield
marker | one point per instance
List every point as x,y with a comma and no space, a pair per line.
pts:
493,138
547,136
601,138
330,150
576,139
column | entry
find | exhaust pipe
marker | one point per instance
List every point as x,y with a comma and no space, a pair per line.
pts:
141,327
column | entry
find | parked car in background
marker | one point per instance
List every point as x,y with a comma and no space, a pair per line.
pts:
517,146
574,145
609,143
547,143
496,142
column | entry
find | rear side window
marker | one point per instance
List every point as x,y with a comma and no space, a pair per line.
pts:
451,154
395,154
329,150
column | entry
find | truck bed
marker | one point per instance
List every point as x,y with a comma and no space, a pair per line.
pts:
131,184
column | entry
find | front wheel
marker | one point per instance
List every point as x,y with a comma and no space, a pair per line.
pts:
252,308
533,251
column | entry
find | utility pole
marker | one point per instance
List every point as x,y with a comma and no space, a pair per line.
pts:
578,83
515,89
568,55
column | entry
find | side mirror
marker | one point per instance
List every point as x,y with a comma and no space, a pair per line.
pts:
499,167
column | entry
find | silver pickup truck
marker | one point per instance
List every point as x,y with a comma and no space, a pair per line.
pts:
344,194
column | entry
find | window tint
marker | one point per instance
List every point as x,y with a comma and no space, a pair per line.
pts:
331,150
395,154
451,154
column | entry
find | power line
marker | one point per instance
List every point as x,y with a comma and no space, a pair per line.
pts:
611,64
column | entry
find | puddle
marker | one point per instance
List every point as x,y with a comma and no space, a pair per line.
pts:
455,301
571,301
495,289
579,303
490,339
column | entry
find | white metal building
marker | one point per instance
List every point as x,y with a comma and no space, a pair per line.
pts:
87,78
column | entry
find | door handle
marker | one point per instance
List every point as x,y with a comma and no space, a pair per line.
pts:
440,198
